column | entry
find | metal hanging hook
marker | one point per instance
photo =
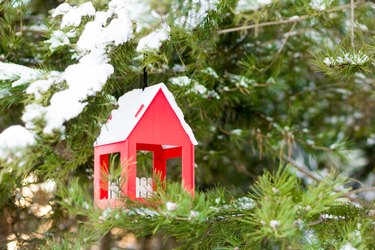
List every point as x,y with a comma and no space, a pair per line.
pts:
144,78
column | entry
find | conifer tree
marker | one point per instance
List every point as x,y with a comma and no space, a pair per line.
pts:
280,96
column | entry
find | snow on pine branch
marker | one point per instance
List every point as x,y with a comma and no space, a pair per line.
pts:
13,140
72,15
251,5
104,30
17,73
194,87
352,58
197,12
153,41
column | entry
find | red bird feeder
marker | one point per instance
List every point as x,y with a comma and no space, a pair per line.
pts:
146,120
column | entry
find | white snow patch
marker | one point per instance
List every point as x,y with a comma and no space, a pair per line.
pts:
193,214
274,224
4,92
358,58
64,106
348,246
181,81
96,36
13,139
171,206
58,38
32,112
251,5
245,203
83,79
72,15
153,41
196,14
320,4
86,79
40,86
196,88
241,81
62,9
237,132
119,31
210,71
17,73
138,11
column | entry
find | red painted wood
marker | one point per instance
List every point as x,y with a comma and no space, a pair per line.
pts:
148,147
158,126
170,153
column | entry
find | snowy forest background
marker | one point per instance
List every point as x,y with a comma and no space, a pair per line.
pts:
279,93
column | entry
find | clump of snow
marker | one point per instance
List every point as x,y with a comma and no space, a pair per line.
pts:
48,186
4,92
143,212
210,71
64,107
241,81
86,79
245,203
138,11
83,79
251,5
38,87
17,73
119,31
348,246
13,140
181,81
58,38
31,113
371,140
352,58
96,36
62,9
237,132
193,214
72,15
153,41
320,4
331,217
171,206
196,88
179,68
274,224
196,14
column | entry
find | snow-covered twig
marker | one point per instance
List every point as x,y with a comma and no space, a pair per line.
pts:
286,21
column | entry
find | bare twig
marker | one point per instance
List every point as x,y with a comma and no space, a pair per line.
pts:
352,5
287,35
300,168
360,190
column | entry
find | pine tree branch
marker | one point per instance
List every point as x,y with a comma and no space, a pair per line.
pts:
289,20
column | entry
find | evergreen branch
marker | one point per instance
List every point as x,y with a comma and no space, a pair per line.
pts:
290,20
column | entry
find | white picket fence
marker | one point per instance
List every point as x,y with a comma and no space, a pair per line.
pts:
113,190
143,187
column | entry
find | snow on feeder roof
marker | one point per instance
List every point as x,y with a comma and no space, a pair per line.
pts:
132,106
